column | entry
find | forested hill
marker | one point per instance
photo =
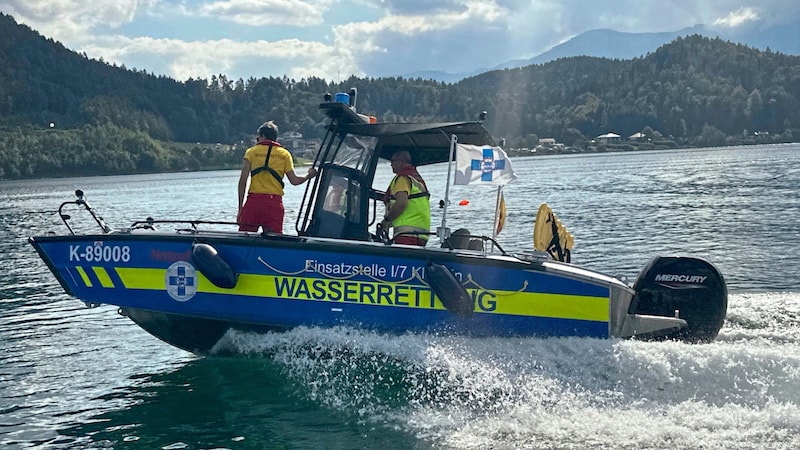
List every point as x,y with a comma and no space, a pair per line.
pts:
696,90
63,114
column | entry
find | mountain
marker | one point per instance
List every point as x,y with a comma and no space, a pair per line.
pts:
783,38
611,44
604,43
62,114
446,77
694,90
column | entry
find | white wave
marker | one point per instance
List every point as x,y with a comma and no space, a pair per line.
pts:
738,392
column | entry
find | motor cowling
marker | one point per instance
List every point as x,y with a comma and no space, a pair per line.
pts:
687,287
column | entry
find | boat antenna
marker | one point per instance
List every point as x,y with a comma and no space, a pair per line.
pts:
443,232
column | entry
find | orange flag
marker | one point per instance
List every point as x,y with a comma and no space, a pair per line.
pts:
501,214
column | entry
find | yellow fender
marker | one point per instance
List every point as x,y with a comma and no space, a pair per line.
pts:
551,236
542,231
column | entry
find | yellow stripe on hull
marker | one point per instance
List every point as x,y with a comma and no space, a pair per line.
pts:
553,305
102,275
84,276
136,278
154,279
533,304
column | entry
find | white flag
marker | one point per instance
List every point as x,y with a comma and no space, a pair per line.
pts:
477,164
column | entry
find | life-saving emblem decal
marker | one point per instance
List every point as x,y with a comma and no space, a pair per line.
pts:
181,281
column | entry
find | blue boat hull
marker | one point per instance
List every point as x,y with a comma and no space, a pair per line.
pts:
283,282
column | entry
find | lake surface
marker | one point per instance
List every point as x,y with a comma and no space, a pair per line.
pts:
72,377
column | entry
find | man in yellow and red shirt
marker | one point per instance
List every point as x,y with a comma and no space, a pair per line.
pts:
264,165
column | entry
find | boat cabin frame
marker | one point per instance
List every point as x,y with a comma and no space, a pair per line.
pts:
341,203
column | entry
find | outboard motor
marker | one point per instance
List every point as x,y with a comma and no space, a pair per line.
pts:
689,288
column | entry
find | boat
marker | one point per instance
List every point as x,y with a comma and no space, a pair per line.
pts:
189,282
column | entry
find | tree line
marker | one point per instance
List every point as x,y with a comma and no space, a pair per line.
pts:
63,114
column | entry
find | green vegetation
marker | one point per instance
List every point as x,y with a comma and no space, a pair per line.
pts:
62,114
102,149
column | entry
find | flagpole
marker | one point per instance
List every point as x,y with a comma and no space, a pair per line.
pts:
443,233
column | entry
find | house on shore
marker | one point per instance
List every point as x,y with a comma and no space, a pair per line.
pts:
608,138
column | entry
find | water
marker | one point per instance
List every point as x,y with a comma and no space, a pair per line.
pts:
72,377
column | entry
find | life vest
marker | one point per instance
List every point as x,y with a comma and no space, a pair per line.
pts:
266,166
416,218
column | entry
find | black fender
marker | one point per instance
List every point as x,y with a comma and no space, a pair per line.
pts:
692,288
208,261
450,291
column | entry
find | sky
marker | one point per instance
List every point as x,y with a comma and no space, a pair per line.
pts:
334,39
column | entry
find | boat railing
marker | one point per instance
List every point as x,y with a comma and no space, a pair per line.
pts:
80,201
150,224
454,242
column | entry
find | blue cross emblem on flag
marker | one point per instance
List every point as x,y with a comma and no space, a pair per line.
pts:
482,165
488,164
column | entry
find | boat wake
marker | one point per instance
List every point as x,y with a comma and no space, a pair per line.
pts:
738,392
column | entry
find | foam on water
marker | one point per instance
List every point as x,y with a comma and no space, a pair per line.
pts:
738,392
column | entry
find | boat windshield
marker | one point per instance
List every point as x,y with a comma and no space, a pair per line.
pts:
341,203
353,152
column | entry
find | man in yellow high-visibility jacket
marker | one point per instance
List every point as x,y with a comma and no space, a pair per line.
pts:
408,208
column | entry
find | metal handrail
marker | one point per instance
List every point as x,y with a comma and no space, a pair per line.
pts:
80,201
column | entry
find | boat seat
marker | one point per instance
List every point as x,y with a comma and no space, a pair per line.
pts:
457,239
475,244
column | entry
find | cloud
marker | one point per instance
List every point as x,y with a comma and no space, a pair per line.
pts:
201,59
444,38
67,20
266,12
334,39
421,7
737,18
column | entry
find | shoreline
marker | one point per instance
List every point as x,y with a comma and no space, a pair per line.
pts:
513,153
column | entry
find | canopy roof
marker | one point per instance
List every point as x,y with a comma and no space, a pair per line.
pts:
428,143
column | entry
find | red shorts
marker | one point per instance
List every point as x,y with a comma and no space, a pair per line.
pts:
410,240
264,210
